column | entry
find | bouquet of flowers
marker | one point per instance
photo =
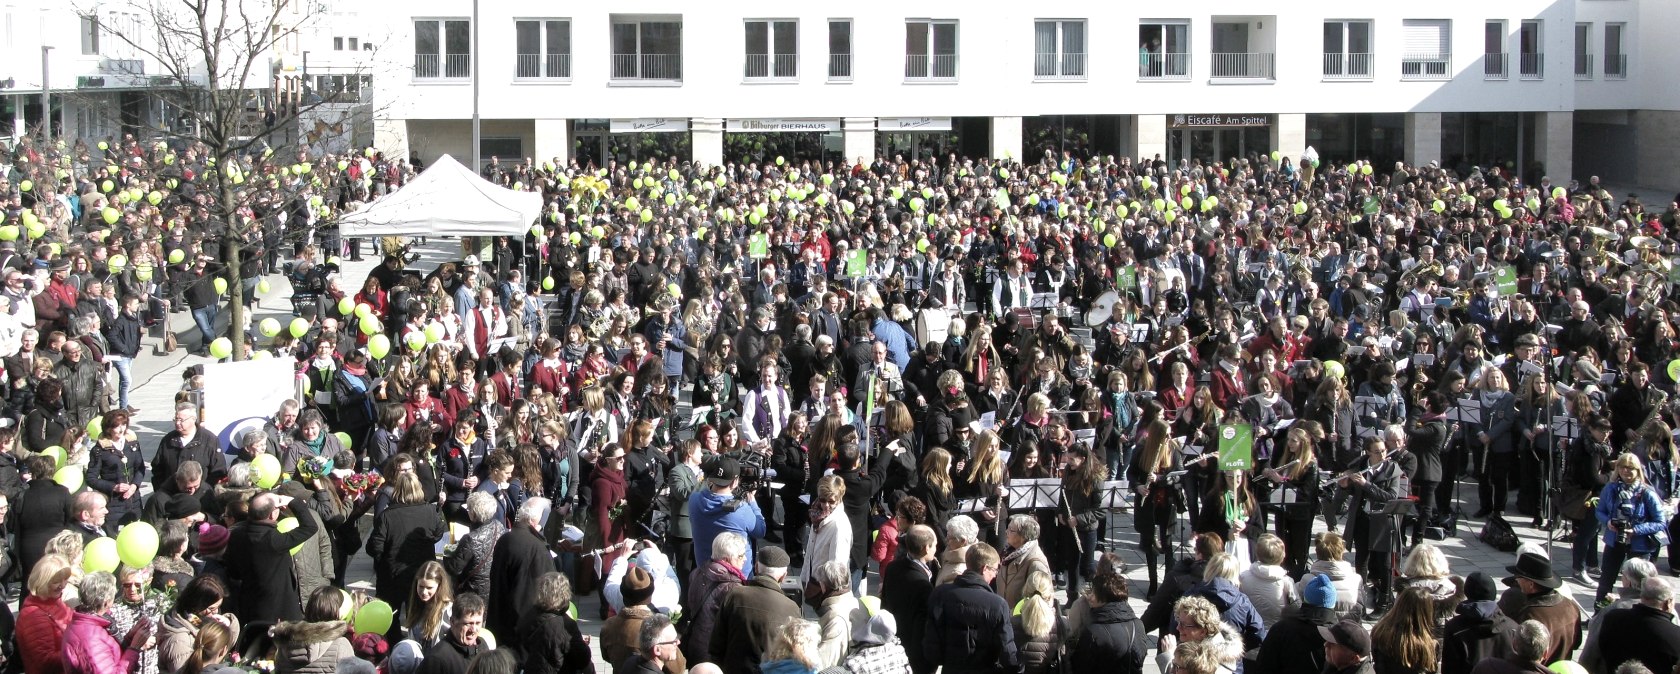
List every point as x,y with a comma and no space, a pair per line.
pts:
358,484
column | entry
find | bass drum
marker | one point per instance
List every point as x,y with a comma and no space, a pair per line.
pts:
932,325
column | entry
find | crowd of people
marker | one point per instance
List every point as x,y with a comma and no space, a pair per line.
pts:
725,398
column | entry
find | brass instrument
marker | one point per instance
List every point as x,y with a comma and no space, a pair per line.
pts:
1432,268
596,322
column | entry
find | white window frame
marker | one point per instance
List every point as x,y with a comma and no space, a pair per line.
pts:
1616,65
639,59
1347,65
1164,68
841,65
1581,50
88,27
1061,65
1434,64
771,68
547,68
338,43
1531,65
443,56
931,66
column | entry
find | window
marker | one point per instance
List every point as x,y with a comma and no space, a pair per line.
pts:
442,49
367,46
338,44
1532,59
839,50
542,48
1347,49
1583,51
930,50
90,35
1059,49
1426,49
647,49
1494,60
1615,59
1164,50
352,43
772,50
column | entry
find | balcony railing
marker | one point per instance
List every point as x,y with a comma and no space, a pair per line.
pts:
839,67
934,68
1426,67
772,66
442,66
1347,66
1496,66
647,67
1164,66
1583,66
1059,66
1533,65
543,66
1615,66
1244,66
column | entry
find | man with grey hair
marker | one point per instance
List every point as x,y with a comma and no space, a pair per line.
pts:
88,512
189,480
1644,632
1529,644
707,587
751,614
656,645
1023,557
188,441
519,560
829,590
961,531
259,560
1634,573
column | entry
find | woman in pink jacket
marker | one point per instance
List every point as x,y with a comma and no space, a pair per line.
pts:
88,648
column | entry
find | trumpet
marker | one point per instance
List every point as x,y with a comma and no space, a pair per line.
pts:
1432,268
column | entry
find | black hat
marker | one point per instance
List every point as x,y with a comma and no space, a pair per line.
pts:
722,471
1480,587
1350,635
1537,569
181,506
773,557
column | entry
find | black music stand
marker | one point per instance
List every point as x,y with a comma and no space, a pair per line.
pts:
1396,511
1464,411
1113,495
1366,407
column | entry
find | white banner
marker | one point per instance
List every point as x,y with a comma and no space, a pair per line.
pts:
245,394
650,125
776,125
913,124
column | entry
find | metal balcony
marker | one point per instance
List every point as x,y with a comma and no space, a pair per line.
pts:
1164,66
1347,66
934,68
1496,66
1583,66
647,67
1244,66
1059,66
772,67
543,66
1532,65
839,67
1616,67
1426,67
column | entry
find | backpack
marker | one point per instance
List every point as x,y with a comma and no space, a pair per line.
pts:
1498,534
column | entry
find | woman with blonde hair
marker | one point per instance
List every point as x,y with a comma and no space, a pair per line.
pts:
1295,495
982,478
1426,568
935,488
44,616
1403,641
1040,633
830,536
1199,623
793,648
426,617
981,358
1632,516
1330,551
210,650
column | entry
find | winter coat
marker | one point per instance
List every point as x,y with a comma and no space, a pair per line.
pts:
1013,572
520,558
449,656
1186,574
313,562
175,638
403,538
109,467
707,588
1557,611
124,335
905,587
1641,633
1347,582
1271,590
1650,527
827,541
173,451
469,562
41,628
683,482
1114,642
968,629
1477,632
89,649
1443,592
621,633
747,623
37,516
551,643
259,568
1294,643
836,615
310,647
1039,655
712,514
1235,609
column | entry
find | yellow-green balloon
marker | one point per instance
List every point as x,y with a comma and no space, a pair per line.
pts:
137,544
265,471
70,477
379,346
269,327
221,347
286,525
373,617
346,306
299,327
220,284
57,452
100,554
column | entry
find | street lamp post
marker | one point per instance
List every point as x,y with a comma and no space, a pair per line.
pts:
46,100
476,165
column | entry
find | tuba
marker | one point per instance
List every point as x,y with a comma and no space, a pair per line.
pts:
596,322
1433,268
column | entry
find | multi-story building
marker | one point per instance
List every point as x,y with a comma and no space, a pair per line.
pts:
1552,86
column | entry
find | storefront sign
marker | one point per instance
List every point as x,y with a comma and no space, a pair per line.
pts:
650,125
783,125
914,124
1212,121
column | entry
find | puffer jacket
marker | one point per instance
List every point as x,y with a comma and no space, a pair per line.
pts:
1039,655
1650,527
89,649
1342,577
1235,609
313,563
1271,590
706,589
310,647
1114,642
1479,631
41,625
175,637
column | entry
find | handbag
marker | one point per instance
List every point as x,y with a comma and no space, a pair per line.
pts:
1498,534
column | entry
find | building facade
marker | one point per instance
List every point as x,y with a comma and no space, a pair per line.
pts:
1551,87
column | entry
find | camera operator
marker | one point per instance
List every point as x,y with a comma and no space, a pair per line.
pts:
718,509
1634,525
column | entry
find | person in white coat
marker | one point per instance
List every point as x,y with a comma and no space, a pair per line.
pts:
1266,583
830,537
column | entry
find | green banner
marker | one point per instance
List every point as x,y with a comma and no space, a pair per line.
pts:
1505,279
1372,205
1126,278
857,263
1236,447
758,246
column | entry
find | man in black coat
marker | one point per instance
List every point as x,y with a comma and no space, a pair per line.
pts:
1644,632
40,513
1294,644
259,560
968,624
1479,631
863,484
451,654
1115,637
519,560
188,442
1427,441
750,616
906,584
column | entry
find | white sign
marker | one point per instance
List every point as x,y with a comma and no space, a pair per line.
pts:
650,125
245,394
914,124
777,125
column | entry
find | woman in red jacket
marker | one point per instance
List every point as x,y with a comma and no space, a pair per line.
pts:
608,529
43,617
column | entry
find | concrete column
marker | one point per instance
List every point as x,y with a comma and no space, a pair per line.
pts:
390,136
1006,137
860,139
1289,135
1150,136
1423,137
707,140
1554,142
553,140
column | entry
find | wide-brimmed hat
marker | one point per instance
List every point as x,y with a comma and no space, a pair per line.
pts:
1537,569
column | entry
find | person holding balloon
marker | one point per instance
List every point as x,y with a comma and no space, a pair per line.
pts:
115,468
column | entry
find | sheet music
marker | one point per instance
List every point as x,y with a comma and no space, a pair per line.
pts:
1423,359
1043,493
971,505
1355,351
988,421
1114,494
698,414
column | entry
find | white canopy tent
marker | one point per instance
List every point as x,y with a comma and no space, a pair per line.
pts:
447,199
